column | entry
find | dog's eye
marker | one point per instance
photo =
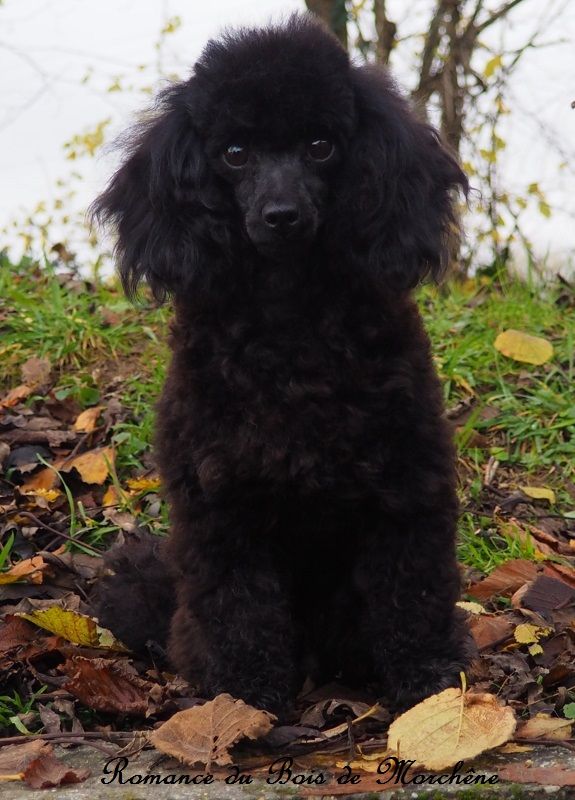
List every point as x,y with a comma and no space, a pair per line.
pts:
320,149
236,155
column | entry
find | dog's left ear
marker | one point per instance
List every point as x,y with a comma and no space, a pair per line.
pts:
162,202
397,187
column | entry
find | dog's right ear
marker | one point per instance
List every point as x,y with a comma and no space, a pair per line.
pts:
158,202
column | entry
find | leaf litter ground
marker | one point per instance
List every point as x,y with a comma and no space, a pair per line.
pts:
78,477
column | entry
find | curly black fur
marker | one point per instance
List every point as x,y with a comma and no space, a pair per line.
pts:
300,433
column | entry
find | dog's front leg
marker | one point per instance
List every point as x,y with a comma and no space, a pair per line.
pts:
233,630
408,575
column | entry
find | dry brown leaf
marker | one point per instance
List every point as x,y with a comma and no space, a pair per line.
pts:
36,372
14,758
93,466
47,771
505,579
449,727
513,747
112,686
15,395
73,626
46,479
86,421
546,776
490,629
205,733
524,347
29,569
544,595
544,726
15,632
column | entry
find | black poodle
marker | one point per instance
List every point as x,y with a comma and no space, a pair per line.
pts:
288,201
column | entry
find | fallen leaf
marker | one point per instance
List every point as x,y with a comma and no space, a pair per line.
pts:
449,727
36,372
530,634
205,733
472,608
505,579
93,466
46,495
112,497
15,395
29,569
15,632
546,776
47,771
544,726
513,747
327,711
44,480
490,629
86,421
524,347
539,493
112,686
14,758
149,484
73,626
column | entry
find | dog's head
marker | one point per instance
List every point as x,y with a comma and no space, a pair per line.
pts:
276,145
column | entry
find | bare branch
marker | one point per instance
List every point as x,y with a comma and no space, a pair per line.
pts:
429,82
502,12
386,32
333,13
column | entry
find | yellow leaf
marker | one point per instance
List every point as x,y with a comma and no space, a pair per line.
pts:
49,495
492,65
473,608
449,727
93,466
535,649
488,155
539,493
29,569
86,421
149,484
530,634
73,626
523,347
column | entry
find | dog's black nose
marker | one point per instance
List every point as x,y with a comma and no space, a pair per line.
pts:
282,217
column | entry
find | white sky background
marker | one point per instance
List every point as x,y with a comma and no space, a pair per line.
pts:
46,47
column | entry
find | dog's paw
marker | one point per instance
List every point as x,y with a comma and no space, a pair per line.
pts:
420,681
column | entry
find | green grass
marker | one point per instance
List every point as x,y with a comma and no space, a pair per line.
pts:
530,429
531,426
42,316
13,707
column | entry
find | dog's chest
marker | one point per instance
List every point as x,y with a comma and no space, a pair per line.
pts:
296,400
